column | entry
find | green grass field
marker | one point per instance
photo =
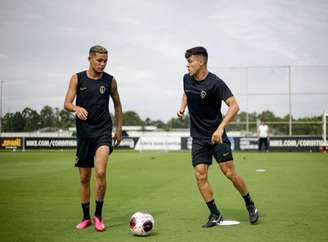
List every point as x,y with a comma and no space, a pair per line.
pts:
39,197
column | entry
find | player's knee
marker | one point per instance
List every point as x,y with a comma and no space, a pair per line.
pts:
84,179
201,176
100,174
229,174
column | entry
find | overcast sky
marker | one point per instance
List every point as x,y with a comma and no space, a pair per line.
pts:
44,42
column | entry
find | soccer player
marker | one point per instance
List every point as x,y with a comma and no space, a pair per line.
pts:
92,89
203,93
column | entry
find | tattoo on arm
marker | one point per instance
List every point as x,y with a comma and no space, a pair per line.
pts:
117,104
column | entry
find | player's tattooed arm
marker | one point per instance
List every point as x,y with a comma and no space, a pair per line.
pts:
118,112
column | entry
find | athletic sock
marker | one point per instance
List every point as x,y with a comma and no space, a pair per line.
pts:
248,200
86,210
212,207
99,208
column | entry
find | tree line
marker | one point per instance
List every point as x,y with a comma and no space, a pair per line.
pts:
49,118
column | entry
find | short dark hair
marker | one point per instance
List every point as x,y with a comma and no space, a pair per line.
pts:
199,50
97,49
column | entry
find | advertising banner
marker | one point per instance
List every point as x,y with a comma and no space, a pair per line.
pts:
158,143
284,143
70,143
50,143
11,143
128,143
295,143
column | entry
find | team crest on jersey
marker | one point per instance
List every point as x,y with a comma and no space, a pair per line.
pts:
102,89
203,94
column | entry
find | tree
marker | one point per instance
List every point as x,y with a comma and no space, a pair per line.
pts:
132,118
66,119
8,123
47,117
19,122
158,123
32,119
267,116
148,121
176,123
57,119
307,128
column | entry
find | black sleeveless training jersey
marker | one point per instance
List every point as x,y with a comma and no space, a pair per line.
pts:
204,103
93,95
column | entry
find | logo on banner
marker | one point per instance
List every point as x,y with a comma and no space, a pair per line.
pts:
11,143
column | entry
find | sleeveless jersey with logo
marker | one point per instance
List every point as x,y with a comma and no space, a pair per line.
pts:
204,99
93,95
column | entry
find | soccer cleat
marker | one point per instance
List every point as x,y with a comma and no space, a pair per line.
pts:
84,224
99,224
213,220
253,213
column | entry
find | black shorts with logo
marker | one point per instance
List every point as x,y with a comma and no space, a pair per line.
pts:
86,149
203,150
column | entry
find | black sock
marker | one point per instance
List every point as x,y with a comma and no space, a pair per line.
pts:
86,210
212,207
248,200
99,208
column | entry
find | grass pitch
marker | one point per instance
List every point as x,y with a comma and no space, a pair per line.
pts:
39,197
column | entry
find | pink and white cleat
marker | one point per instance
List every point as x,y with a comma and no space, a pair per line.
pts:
99,224
84,224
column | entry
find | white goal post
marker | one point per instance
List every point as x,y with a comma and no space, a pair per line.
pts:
324,128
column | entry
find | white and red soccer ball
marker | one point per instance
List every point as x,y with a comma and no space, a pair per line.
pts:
141,223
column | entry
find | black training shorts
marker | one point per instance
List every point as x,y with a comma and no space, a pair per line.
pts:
203,150
86,149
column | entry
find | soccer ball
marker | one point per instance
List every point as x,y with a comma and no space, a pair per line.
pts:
141,223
